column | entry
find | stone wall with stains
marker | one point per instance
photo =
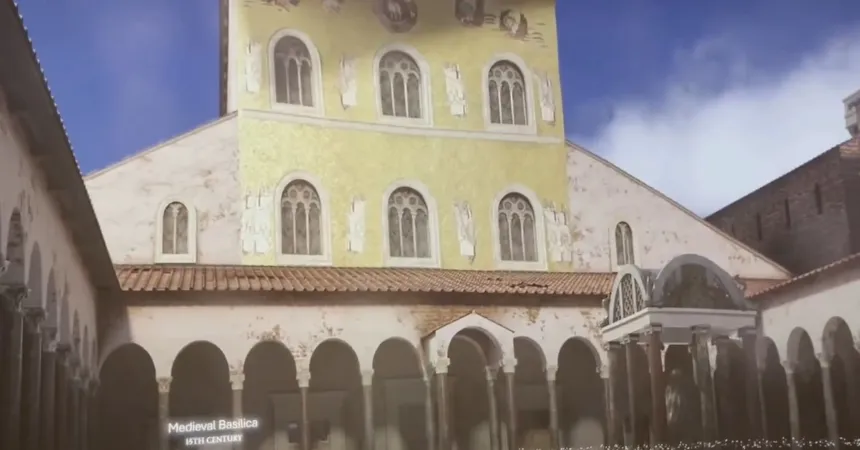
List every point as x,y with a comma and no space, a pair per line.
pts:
602,195
363,323
199,169
42,255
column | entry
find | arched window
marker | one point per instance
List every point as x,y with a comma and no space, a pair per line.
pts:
408,224
293,68
301,219
400,86
517,238
623,244
174,226
507,94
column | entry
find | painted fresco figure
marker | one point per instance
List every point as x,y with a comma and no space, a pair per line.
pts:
514,23
397,16
469,12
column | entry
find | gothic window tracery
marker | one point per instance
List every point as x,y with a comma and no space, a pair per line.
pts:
301,224
400,88
624,244
629,298
517,238
507,94
175,229
408,224
293,72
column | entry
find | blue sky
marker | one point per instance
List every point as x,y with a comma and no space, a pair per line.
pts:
679,93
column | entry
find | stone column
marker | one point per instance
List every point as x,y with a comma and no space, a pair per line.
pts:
793,411
11,300
369,428
61,381
749,340
509,369
237,382
83,408
659,425
31,383
74,408
630,343
704,382
428,413
614,426
444,440
304,379
829,402
553,406
163,412
492,408
47,410
93,413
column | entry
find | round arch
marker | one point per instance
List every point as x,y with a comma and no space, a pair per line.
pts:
536,347
65,327
200,382
415,351
629,277
127,399
14,251
796,339
668,271
836,335
34,279
51,303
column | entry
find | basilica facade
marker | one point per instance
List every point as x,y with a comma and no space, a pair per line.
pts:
385,242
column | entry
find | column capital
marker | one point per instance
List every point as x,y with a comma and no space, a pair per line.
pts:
164,384
509,364
748,332
630,339
14,294
700,330
49,339
367,377
442,364
551,372
611,345
654,328
720,339
823,360
603,371
303,376
490,374
35,316
237,380
789,367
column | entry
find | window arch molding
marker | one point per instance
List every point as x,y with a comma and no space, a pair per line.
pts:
191,256
426,92
325,222
528,79
613,241
432,223
540,230
318,107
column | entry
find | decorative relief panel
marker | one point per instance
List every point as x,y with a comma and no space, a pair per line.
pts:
356,225
558,234
257,224
454,90
465,229
348,83
547,102
253,67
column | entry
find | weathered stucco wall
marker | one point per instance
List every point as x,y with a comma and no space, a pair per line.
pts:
236,330
58,281
200,169
601,195
810,308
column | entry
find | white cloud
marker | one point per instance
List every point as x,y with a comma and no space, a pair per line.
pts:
723,129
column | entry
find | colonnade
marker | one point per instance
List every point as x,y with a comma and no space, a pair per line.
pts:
46,396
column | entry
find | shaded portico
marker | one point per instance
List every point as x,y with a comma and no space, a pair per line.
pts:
668,333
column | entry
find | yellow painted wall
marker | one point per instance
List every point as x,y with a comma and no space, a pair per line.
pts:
438,35
351,162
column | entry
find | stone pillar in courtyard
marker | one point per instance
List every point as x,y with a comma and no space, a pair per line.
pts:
659,425
614,427
703,374
83,411
11,301
829,402
61,382
237,382
367,390
93,414
793,411
442,403
752,378
493,408
630,348
429,421
47,410
304,379
74,383
553,406
31,383
509,367
163,412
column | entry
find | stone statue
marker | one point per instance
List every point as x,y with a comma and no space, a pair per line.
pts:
465,229
348,82
558,236
256,224
253,67
356,225
454,90
547,102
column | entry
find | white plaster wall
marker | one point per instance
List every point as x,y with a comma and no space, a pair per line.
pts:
236,329
201,168
810,307
601,195
22,186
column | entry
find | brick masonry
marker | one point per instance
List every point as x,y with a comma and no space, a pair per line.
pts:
805,218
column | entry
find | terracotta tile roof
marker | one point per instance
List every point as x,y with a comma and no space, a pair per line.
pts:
848,262
165,278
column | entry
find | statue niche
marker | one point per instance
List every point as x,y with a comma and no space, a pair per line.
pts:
694,286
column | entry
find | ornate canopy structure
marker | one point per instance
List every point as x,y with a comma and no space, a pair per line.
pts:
690,291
